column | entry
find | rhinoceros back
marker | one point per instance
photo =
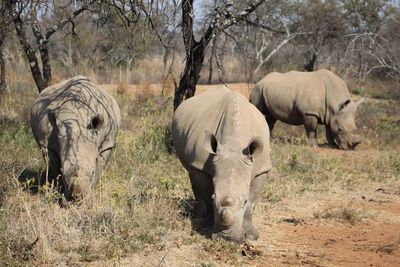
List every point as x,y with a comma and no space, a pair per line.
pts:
288,96
209,111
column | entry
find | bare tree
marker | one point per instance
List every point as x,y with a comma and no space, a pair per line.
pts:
26,13
373,52
221,19
323,20
372,46
266,50
147,21
161,18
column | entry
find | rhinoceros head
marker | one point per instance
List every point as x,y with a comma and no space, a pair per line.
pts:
232,166
77,142
343,126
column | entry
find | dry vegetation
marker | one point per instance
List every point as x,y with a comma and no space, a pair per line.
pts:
141,212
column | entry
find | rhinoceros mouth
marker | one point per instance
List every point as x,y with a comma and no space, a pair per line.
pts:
353,146
348,146
232,235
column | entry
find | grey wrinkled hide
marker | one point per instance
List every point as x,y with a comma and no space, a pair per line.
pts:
309,98
223,142
75,123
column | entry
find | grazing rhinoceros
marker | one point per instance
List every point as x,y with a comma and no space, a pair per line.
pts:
223,142
309,98
75,123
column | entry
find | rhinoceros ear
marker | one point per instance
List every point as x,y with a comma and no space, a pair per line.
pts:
210,142
96,122
344,104
254,148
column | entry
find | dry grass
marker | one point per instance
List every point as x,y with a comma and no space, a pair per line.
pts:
137,203
122,89
380,89
344,214
142,203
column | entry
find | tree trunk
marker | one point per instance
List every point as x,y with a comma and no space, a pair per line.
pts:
194,55
191,75
210,69
310,65
30,54
42,77
3,81
43,49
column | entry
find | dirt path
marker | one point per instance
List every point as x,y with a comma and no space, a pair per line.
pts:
293,236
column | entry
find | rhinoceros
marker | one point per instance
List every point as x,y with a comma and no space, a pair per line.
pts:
223,142
75,124
309,98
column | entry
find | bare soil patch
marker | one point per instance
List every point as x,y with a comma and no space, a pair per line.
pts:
375,241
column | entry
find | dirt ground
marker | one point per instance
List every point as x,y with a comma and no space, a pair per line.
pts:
294,237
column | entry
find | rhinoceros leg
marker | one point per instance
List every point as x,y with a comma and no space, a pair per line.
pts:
100,164
329,137
271,122
203,189
311,124
255,189
53,166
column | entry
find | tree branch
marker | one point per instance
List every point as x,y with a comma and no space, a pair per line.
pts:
262,26
51,30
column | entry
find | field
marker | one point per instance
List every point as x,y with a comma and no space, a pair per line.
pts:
321,207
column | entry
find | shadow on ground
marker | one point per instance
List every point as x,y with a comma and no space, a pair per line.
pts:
188,210
31,180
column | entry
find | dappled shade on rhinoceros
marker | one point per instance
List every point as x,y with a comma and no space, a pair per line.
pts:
223,142
75,123
309,98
